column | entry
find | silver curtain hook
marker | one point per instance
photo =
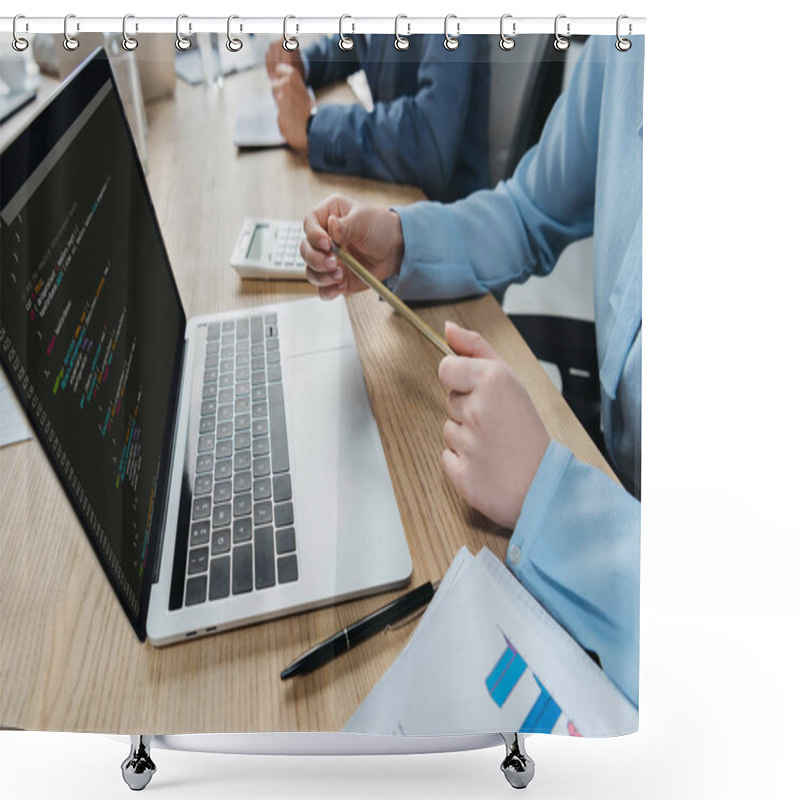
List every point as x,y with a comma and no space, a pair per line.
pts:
401,42
345,42
561,43
289,42
623,45
181,42
233,44
451,42
128,42
507,42
18,42
70,42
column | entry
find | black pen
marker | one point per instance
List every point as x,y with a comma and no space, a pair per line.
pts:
349,637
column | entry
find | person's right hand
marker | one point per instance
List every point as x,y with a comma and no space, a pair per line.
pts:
277,55
372,235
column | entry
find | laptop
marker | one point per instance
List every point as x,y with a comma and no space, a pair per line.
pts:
226,469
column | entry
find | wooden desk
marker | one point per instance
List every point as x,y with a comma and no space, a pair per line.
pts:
69,659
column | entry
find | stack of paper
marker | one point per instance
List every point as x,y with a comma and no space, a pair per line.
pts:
486,657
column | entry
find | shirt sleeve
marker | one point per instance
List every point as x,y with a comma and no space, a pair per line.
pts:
576,549
411,139
497,237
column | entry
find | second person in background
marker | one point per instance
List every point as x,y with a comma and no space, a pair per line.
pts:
429,126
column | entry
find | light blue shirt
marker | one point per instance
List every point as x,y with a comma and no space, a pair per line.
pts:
576,544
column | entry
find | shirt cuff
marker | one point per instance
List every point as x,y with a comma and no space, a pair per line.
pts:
535,508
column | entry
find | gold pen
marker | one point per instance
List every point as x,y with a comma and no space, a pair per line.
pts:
393,300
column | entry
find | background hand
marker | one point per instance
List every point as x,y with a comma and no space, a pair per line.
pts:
494,439
371,234
277,55
294,106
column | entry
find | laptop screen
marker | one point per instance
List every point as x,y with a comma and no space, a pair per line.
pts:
91,324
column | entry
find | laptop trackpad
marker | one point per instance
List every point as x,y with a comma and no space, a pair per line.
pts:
345,507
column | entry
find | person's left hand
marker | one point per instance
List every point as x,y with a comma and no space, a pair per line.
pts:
294,106
495,439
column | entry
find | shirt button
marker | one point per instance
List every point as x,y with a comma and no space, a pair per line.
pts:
514,554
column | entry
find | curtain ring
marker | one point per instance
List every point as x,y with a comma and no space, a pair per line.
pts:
18,43
345,42
128,42
401,42
289,42
451,42
70,42
181,42
623,44
561,43
507,42
233,44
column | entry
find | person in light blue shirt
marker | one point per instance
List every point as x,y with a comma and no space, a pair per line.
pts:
430,123
575,540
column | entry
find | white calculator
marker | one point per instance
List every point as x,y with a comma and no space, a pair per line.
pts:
269,248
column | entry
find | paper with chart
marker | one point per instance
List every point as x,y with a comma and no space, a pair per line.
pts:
487,657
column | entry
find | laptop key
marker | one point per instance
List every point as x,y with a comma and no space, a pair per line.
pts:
241,441
209,391
210,376
260,427
198,560
225,413
221,516
284,514
241,481
208,407
287,569
227,339
203,485
220,578
223,470
225,395
242,327
221,541
242,504
242,404
224,448
259,378
199,533
273,357
242,569
226,365
201,508
196,590
277,421
207,424
273,344
241,461
259,409
262,513
225,430
228,325
213,331
242,530
273,373
259,393
261,446
258,364
261,466
262,489
285,541
264,553
242,422
222,492
204,463
228,351
205,443
282,485
242,388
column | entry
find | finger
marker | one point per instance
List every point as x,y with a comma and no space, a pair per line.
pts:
454,437
466,342
453,469
315,231
324,263
324,278
456,406
459,374
330,292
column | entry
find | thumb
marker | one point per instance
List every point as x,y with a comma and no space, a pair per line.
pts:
467,343
342,230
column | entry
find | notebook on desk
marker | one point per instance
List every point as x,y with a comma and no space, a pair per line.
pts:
225,469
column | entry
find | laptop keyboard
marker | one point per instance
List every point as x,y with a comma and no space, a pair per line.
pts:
242,536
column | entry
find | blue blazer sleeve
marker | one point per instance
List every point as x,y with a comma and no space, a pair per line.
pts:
410,139
496,237
576,549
